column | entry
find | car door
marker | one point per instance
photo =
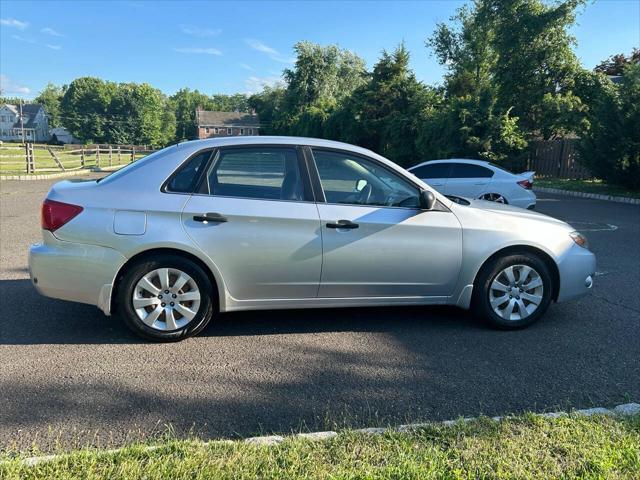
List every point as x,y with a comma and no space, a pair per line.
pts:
377,242
468,180
254,217
435,175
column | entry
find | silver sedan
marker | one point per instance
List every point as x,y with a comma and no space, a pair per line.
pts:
254,223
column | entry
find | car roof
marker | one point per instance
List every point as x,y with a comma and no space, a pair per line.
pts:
275,140
470,161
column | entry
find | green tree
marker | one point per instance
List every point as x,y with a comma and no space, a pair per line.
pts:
615,64
321,79
609,142
85,108
51,97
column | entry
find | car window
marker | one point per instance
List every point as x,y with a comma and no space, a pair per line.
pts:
354,180
435,170
469,170
186,177
270,173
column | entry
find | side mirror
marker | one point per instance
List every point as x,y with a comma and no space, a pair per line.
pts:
427,200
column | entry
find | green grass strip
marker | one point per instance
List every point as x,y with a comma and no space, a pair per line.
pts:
523,447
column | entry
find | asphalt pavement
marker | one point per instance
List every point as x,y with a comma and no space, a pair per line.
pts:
71,376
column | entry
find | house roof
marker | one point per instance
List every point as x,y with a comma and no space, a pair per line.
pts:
227,119
29,111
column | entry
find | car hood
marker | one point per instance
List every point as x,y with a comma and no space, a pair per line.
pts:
512,212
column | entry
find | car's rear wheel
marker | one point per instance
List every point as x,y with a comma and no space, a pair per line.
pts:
494,197
166,298
513,291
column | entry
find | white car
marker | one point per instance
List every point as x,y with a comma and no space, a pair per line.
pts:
478,179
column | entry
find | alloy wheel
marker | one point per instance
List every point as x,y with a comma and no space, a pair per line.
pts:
516,292
494,197
166,299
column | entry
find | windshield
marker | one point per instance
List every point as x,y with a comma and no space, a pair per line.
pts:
132,166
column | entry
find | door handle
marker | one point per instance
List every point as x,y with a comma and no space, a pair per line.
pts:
210,217
348,224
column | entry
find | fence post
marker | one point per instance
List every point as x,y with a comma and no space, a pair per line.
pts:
82,157
26,158
119,157
133,153
97,155
110,155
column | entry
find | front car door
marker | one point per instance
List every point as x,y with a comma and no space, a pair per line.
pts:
468,180
377,242
254,216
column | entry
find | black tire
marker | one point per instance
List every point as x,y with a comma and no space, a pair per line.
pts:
481,291
133,275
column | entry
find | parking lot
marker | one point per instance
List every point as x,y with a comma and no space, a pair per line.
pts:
71,375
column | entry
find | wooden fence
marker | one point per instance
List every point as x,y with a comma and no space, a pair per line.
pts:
557,159
38,158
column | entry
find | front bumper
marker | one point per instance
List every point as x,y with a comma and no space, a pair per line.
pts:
74,271
577,271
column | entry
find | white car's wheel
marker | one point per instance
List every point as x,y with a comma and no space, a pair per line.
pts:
494,197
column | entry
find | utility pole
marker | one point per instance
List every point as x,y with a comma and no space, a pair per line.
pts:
22,123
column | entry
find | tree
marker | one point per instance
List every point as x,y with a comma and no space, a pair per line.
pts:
609,142
85,108
615,64
383,114
50,97
321,79
524,50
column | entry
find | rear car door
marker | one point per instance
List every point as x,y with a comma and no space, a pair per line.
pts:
376,241
435,175
254,217
468,180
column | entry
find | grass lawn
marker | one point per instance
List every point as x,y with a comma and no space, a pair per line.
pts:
589,186
527,446
12,159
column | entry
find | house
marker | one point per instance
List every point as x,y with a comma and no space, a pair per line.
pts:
34,123
225,124
62,135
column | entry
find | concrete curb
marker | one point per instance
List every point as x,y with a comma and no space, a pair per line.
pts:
593,196
626,409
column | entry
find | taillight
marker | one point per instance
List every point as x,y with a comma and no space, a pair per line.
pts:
56,214
526,184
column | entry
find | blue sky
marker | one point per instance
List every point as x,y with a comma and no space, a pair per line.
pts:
228,47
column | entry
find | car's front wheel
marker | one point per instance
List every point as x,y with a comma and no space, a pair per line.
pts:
165,299
513,291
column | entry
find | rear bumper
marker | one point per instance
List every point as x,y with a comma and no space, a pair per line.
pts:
577,271
74,271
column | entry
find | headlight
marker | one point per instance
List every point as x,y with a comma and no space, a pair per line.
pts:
579,239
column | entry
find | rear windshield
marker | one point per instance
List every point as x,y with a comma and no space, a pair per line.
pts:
134,165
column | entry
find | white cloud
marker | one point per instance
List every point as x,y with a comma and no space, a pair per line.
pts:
204,51
271,52
12,22
245,66
8,86
51,31
23,39
200,32
53,47
255,84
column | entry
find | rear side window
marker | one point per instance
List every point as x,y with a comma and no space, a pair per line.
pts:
436,170
184,180
270,173
467,170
